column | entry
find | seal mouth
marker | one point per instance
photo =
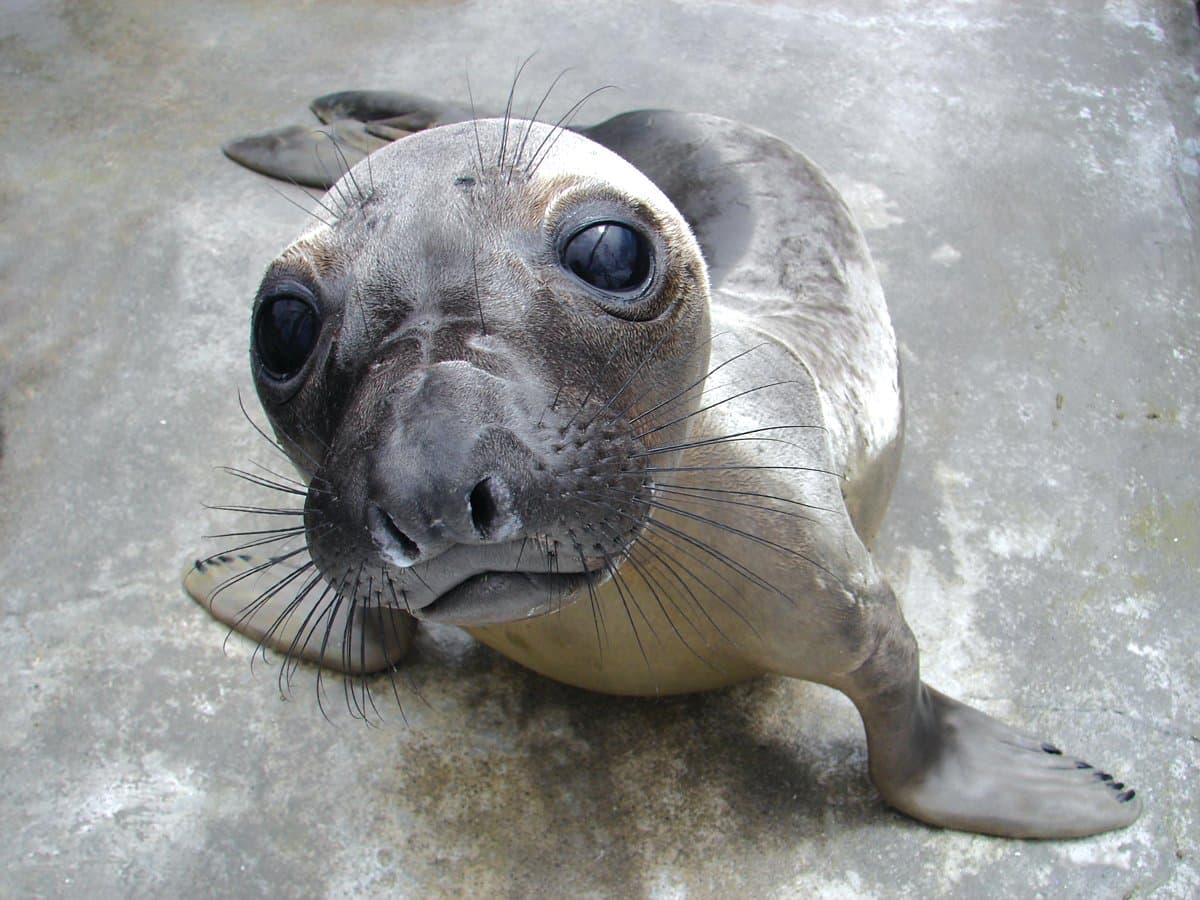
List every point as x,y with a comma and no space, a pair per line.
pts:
493,598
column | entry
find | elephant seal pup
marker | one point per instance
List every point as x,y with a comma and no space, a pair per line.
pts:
524,403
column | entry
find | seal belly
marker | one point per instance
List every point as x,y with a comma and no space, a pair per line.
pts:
635,655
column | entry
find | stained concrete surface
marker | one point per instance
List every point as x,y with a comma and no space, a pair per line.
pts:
1026,174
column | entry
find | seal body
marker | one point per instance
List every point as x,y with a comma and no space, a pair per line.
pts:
625,404
809,435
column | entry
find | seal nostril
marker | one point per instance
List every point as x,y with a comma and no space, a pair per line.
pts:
403,550
482,504
406,543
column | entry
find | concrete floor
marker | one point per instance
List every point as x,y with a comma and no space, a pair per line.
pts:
1027,176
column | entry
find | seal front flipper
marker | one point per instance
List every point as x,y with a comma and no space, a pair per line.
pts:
285,607
947,764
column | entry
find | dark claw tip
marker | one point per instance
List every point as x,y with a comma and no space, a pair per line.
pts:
1127,796
1117,785
1080,764
1051,749
1104,776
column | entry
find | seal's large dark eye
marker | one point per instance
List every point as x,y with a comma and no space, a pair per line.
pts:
285,333
609,256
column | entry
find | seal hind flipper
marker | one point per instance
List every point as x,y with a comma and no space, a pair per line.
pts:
947,764
372,106
358,122
250,595
312,157
395,128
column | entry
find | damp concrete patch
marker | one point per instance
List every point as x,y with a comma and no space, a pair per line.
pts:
1027,177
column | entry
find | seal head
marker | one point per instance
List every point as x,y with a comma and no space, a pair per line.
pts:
467,360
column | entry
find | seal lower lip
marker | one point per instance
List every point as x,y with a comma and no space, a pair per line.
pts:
492,598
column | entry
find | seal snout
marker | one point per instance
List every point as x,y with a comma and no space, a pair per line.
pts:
407,533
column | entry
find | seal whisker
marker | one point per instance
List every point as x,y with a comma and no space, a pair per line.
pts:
618,583
615,569
745,573
736,437
552,407
272,441
353,189
345,648
534,118
342,202
508,110
367,695
521,553
668,562
595,604
401,598
254,570
260,481
652,585
655,586
347,169
248,610
388,628
744,468
285,532
291,658
692,488
256,510
711,406
274,537
251,609
475,280
683,393
475,125
266,639
688,496
281,478
236,578
750,536
299,640
362,697
558,128
703,383
417,575
522,126
330,616
723,558
301,207
591,389
650,355
370,173
316,198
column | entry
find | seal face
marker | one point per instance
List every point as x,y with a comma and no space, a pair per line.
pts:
471,393
524,404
